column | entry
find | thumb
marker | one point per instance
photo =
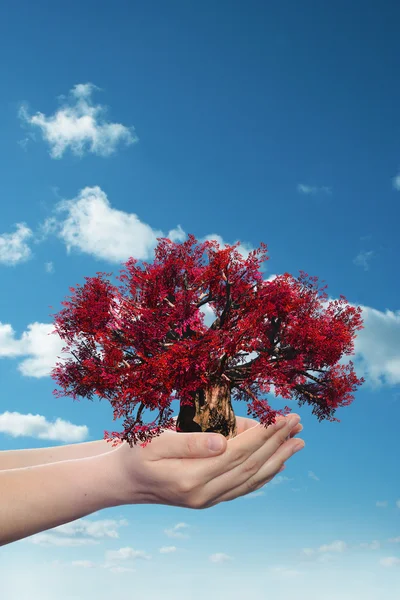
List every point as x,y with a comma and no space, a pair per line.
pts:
172,444
216,443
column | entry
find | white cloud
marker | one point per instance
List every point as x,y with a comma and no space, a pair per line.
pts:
37,426
375,545
381,504
174,532
254,494
102,528
313,476
92,226
49,267
396,182
377,347
395,540
38,343
85,564
51,539
244,249
82,532
220,557
79,125
361,260
336,546
13,246
313,190
125,554
326,550
390,561
120,569
278,479
167,549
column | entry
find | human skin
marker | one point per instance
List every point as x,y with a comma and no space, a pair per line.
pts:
175,469
16,459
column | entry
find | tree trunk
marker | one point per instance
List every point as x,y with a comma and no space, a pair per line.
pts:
211,411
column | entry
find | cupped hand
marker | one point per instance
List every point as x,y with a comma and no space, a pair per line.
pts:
178,469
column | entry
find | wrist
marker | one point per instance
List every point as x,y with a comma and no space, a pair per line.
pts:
118,490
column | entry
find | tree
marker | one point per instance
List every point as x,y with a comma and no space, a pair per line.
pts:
139,343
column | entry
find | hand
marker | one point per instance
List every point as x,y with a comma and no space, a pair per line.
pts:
177,469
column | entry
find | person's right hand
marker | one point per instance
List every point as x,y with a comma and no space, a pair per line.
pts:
245,423
177,469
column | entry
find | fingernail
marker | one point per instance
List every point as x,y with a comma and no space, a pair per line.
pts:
215,443
293,421
298,446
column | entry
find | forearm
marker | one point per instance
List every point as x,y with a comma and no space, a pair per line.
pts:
16,459
37,498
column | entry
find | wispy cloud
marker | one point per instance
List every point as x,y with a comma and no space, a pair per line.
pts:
49,267
101,528
80,126
313,190
51,539
390,561
381,504
82,532
167,549
16,424
312,475
362,259
278,479
175,532
336,546
220,557
375,545
126,553
396,182
13,246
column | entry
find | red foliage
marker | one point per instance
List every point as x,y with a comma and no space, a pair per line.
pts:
137,343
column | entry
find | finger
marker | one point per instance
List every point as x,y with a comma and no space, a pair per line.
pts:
264,475
185,445
294,431
252,440
196,444
229,465
239,464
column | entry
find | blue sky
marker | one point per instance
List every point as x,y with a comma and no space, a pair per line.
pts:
251,121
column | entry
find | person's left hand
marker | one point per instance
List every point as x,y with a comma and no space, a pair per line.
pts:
178,469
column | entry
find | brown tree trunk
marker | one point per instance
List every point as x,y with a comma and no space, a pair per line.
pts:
211,411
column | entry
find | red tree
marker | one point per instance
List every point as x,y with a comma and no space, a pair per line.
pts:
138,343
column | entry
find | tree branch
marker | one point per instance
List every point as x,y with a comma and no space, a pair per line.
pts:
228,302
313,378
